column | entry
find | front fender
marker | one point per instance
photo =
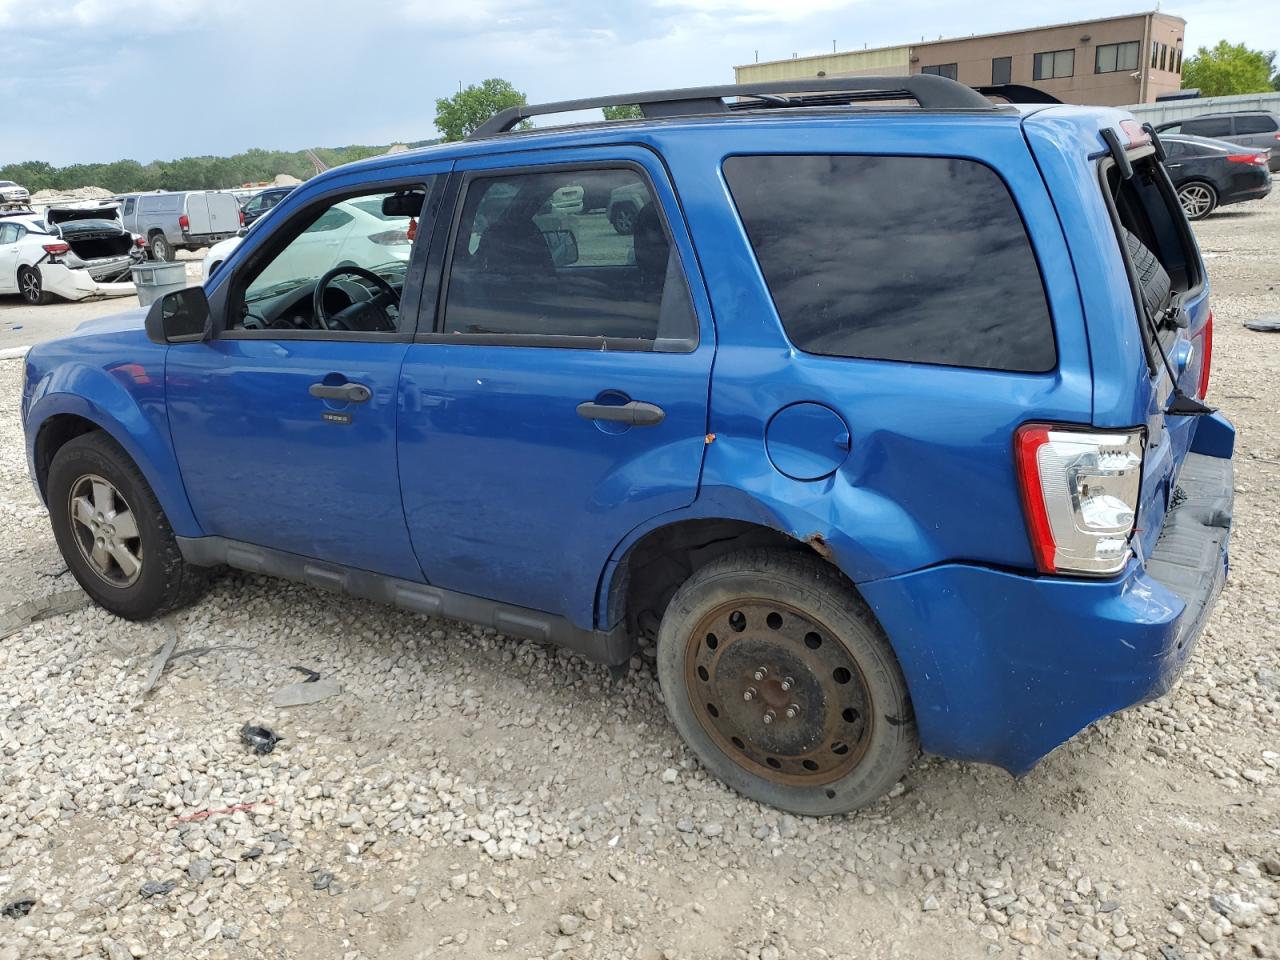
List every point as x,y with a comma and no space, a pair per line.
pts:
127,401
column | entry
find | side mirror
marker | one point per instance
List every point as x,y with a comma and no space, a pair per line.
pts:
181,316
242,232
563,246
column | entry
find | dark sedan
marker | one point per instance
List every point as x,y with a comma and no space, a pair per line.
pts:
263,201
1211,173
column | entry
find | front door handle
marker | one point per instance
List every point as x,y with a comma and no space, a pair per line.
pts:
345,392
636,413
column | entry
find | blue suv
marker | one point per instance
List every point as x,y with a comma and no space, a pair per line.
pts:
884,423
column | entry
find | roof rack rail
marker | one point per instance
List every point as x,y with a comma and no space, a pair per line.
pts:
931,92
1017,93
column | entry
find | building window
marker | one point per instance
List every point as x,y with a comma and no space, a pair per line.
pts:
1164,56
1001,69
1155,54
1178,66
1115,57
947,70
1054,65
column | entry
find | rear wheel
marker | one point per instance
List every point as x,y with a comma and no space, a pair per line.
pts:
31,286
112,532
623,218
1198,199
781,681
161,249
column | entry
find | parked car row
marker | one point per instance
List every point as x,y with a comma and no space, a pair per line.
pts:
1259,129
1213,173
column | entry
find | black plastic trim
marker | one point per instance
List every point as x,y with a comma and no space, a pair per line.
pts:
610,647
1190,556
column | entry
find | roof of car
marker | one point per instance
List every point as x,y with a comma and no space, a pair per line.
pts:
1218,115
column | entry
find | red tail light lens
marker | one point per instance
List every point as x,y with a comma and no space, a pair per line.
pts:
54,249
390,238
1206,355
1258,158
242,218
184,222
139,241
1079,495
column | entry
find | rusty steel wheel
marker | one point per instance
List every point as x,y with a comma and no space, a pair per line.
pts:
779,691
781,681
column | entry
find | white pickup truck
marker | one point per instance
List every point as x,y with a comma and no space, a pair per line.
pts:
186,220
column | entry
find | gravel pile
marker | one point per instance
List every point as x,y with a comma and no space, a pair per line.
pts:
455,793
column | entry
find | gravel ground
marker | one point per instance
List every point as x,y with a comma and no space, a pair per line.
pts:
465,794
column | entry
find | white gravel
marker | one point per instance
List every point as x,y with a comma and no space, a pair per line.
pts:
462,794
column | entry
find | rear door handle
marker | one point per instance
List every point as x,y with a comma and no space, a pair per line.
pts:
637,413
345,392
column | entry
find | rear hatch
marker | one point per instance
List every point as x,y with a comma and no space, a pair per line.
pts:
1171,307
212,214
93,233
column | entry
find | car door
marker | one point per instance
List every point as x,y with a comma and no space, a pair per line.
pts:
9,236
284,424
559,399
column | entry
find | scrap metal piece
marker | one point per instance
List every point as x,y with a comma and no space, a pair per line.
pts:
1267,325
16,909
161,659
28,612
305,692
261,739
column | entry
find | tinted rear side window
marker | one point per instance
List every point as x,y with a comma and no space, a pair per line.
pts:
922,259
1258,123
1210,127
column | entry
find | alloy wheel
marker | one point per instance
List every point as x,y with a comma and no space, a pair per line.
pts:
778,692
31,287
106,531
1196,200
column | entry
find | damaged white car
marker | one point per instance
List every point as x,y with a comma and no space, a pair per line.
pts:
77,253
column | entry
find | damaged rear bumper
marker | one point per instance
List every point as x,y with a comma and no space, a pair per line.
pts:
70,284
1004,667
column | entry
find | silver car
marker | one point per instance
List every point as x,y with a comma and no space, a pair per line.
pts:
1258,129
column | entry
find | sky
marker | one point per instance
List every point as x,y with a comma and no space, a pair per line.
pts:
99,80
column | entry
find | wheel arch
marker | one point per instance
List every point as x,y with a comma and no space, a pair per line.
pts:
646,569
99,403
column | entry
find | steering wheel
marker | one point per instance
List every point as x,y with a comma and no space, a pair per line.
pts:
363,315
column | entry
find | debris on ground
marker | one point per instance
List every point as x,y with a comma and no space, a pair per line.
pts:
309,675
1267,325
161,658
261,739
53,605
16,909
305,692
157,888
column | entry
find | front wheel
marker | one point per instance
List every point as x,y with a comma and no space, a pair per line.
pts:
780,680
112,532
1198,200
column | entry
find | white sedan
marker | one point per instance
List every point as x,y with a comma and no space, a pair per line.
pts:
85,255
344,226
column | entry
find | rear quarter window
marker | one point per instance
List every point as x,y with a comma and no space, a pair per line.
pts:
918,259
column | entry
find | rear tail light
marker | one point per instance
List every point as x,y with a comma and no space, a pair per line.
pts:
139,241
1258,158
242,218
56,249
390,238
1206,356
184,222
1080,496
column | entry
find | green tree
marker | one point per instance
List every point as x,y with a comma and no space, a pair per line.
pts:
462,114
1229,69
628,111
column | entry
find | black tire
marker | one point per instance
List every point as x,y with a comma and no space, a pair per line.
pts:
31,286
164,581
1153,280
623,218
1205,199
801,586
161,248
